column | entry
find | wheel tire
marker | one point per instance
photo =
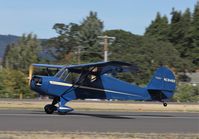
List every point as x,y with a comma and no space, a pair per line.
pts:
164,104
49,109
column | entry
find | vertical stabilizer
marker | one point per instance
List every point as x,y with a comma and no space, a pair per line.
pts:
163,79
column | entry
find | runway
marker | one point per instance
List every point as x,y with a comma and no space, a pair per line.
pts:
87,121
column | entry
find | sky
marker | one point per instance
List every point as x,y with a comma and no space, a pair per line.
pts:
39,16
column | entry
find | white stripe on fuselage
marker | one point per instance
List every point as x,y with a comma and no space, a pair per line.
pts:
91,88
60,83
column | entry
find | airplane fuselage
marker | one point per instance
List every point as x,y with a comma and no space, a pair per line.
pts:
105,87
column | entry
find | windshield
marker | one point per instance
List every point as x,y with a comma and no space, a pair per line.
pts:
59,73
67,76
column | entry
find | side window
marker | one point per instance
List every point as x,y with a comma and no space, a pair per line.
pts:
64,74
72,77
59,73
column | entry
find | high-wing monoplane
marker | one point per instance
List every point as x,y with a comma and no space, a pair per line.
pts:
94,81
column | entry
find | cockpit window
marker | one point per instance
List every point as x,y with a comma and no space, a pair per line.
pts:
59,73
72,77
64,74
67,76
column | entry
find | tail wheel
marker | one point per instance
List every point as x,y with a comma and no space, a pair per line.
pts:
164,104
49,108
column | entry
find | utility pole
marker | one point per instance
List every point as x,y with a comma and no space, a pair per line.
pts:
106,43
78,53
105,48
1,67
20,95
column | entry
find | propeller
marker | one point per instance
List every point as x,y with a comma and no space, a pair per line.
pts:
31,68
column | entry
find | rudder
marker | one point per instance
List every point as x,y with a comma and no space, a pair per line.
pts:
162,84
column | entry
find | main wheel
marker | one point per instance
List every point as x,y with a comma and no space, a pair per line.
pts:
164,104
49,108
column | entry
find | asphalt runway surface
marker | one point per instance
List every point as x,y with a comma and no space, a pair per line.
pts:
87,121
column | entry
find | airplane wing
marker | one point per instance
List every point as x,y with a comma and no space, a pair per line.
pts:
104,67
48,66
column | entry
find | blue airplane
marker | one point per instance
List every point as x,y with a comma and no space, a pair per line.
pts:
94,81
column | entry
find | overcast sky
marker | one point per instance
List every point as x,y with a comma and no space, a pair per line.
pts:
38,16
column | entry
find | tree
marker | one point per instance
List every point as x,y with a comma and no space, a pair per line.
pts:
90,29
158,28
146,52
187,93
175,30
186,39
122,49
13,83
195,35
62,46
179,33
195,24
20,55
73,36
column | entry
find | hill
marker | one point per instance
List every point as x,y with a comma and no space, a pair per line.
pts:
4,41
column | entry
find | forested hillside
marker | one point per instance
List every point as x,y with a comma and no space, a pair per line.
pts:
4,41
182,32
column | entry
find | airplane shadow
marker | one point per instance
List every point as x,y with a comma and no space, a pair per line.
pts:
109,116
106,116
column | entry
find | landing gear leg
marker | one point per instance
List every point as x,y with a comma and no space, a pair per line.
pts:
55,100
50,108
62,109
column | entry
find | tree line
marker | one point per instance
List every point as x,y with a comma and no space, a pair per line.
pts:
182,32
173,43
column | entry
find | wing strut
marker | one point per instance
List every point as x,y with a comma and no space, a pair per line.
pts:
76,83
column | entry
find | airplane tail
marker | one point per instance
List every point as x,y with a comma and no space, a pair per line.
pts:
162,85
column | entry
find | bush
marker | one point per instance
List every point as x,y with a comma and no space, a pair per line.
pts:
12,83
187,93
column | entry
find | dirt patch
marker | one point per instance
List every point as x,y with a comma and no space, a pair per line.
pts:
91,135
104,106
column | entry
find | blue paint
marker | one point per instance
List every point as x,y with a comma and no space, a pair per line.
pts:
163,79
135,92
